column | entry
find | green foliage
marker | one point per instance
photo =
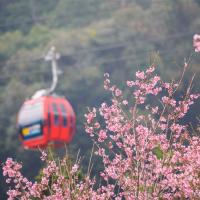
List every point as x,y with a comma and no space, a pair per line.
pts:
68,13
10,42
38,37
158,152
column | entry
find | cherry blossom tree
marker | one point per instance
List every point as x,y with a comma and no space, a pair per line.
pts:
147,151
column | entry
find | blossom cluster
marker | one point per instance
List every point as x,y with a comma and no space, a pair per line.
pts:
196,42
151,155
59,181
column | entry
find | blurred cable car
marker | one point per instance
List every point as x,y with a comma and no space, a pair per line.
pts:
45,118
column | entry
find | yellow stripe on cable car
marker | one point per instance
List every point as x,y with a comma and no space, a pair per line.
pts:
25,131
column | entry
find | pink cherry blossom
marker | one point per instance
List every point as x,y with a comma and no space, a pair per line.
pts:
150,152
196,42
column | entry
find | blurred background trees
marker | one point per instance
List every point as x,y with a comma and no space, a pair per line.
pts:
93,37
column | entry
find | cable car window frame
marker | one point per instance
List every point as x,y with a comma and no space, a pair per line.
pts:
55,114
64,114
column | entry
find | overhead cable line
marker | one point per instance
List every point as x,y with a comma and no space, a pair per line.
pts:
104,47
106,61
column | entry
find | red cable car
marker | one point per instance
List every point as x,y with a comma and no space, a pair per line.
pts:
46,120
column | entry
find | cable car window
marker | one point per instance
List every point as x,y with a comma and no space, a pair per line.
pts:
30,114
72,121
56,114
72,124
64,114
49,116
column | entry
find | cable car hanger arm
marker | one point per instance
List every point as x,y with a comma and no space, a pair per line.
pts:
51,56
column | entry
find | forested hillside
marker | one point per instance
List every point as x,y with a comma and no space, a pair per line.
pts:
93,37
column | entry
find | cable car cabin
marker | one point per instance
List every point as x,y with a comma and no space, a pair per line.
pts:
45,120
